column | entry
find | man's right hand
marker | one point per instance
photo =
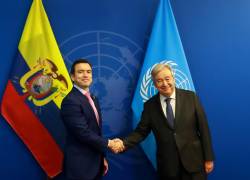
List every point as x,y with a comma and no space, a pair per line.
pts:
116,145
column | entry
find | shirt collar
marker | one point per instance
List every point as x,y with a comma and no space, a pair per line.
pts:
81,90
173,96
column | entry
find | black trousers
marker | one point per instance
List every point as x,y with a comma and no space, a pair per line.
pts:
99,177
183,174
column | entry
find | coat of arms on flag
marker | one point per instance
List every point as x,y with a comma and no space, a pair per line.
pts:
38,79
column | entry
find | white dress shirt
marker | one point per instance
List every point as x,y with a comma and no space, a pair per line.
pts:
172,102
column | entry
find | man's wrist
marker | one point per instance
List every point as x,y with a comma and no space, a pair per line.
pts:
109,143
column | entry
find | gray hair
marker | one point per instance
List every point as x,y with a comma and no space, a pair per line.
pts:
158,68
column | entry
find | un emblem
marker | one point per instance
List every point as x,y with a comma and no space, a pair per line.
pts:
116,61
147,88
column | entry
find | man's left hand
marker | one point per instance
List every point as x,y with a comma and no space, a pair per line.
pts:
106,166
209,166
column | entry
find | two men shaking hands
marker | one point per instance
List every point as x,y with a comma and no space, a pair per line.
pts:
175,116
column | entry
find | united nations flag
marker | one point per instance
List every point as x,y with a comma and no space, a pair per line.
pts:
164,47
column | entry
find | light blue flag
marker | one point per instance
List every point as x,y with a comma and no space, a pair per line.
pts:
164,47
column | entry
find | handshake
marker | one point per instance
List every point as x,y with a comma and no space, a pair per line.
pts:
116,145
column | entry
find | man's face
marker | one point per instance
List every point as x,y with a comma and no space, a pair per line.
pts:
82,76
164,82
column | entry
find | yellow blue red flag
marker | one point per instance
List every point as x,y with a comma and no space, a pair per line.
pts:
37,84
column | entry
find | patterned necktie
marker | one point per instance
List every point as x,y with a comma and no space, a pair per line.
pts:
93,106
169,112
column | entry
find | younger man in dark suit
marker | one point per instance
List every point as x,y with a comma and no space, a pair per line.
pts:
85,147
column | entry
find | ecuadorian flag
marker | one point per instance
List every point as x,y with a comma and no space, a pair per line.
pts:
38,82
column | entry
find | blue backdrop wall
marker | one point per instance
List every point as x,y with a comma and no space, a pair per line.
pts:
216,39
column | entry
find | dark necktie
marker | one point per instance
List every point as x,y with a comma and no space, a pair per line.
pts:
170,114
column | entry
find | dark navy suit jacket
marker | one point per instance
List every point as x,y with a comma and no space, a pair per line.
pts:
85,147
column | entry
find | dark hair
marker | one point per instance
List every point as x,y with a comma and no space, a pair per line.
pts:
78,61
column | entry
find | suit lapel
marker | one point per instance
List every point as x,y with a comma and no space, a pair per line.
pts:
178,106
85,102
159,108
97,107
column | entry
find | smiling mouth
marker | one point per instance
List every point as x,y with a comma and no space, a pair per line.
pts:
165,88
